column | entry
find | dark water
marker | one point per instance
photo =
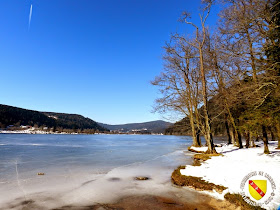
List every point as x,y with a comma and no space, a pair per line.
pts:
86,164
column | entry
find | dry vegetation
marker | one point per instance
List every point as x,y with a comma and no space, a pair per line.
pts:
237,200
193,182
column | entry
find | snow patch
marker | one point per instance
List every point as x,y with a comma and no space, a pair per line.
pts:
229,170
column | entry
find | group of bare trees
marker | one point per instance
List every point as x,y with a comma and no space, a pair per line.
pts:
236,66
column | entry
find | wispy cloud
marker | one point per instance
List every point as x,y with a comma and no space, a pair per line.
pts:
30,16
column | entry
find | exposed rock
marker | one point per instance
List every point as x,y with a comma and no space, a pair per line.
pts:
141,178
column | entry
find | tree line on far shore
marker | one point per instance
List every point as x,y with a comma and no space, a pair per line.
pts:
14,117
229,75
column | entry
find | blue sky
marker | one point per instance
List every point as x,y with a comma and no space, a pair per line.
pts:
90,57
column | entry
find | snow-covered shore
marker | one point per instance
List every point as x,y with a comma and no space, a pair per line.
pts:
234,167
31,131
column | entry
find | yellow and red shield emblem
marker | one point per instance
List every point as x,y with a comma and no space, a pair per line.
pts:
257,188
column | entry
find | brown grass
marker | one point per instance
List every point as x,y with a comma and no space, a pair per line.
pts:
193,182
237,200
204,156
196,162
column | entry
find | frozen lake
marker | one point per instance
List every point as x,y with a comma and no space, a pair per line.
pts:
85,169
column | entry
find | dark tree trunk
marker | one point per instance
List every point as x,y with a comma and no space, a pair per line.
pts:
272,134
232,135
198,137
239,140
213,151
247,137
265,140
227,129
252,141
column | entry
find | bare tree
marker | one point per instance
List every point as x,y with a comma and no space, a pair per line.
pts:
199,44
177,83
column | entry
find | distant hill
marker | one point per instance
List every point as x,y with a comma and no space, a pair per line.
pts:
158,126
10,115
181,127
74,121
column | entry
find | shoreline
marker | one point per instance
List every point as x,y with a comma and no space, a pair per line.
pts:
73,133
231,169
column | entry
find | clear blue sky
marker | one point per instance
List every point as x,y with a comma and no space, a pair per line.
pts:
91,57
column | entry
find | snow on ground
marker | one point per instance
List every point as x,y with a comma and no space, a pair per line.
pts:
199,149
232,168
32,131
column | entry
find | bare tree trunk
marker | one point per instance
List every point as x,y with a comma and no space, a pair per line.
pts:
253,63
235,133
272,133
195,142
247,137
209,140
198,137
252,140
190,103
265,140
232,135
227,129
240,145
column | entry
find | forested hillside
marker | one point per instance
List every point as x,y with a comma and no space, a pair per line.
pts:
219,123
10,115
74,121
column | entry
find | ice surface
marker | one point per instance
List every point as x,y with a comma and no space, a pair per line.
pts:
85,169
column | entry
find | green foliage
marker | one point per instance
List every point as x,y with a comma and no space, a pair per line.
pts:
272,47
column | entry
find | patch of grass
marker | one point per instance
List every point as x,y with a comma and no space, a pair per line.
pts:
237,200
197,158
196,162
193,182
204,156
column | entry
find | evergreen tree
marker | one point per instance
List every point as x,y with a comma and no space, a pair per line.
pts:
272,48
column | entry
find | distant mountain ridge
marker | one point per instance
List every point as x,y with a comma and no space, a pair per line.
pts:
157,126
10,115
